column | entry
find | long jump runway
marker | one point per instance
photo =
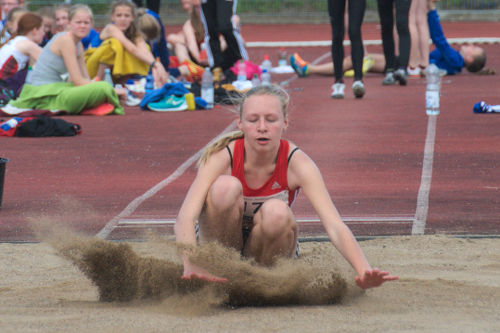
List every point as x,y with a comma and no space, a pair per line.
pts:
390,169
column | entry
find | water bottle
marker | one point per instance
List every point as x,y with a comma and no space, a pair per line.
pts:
150,82
265,77
432,91
282,62
207,88
107,77
266,63
242,70
255,80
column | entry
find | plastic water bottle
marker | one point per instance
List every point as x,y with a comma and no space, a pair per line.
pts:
255,80
265,77
266,63
282,62
242,70
107,77
432,91
150,82
207,88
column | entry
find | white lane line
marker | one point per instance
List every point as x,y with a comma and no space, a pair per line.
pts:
422,209
478,40
132,206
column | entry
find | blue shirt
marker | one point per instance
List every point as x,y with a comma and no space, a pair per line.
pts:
444,56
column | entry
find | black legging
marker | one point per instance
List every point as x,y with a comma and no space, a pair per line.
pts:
153,5
336,10
386,14
216,17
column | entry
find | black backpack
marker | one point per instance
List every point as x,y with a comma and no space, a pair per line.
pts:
46,126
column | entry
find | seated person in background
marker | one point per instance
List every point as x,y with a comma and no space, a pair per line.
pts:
61,15
46,88
7,6
151,26
10,23
188,44
48,23
22,49
444,56
123,49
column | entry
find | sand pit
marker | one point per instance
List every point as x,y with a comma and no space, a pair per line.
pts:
446,284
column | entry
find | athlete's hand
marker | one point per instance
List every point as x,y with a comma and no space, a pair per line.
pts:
194,272
373,278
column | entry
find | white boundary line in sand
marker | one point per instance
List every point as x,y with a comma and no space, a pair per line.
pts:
132,206
124,222
479,40
422,209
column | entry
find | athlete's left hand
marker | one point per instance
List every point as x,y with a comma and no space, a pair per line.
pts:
373,278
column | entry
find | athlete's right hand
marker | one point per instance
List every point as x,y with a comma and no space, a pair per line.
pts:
194,272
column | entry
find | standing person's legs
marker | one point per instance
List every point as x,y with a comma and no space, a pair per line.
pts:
387,22
402,12
208,15
356,15
336,10
235,49
414,35
423,33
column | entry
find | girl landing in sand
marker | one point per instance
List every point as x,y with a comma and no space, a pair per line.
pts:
244,188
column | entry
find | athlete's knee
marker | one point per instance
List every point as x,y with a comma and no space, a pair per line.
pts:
225,192
274,218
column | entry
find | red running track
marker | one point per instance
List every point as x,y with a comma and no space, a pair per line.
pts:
370,151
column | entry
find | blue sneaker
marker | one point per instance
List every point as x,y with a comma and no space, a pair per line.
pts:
298,65
170,103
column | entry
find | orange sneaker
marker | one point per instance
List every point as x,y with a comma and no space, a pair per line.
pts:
195,71
299,61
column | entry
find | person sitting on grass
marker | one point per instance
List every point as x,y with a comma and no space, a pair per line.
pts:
244,189
10,23
62,57
472,57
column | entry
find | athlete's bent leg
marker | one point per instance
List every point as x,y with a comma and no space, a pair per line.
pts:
222,215
274,233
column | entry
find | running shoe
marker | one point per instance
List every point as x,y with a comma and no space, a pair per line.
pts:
389,79
358,89
400,76
131,99
338,90
413,72
299,66
170,103
195,71
368,63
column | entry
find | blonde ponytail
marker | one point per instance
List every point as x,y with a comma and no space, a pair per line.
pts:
218,145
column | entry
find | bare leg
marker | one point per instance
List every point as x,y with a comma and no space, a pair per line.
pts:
274,233
222,216
327,68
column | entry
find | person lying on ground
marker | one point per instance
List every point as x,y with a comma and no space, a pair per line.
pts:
245,186
447,58
372,62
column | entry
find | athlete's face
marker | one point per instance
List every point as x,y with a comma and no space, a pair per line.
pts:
80,23
262,121
62,19
122,17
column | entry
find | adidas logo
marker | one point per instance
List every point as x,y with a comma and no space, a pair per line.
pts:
275,186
